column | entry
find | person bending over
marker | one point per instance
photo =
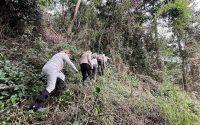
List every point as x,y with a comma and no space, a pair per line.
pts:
85,64
55,78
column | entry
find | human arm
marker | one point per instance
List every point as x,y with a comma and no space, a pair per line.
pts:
68,61
104,58
90,60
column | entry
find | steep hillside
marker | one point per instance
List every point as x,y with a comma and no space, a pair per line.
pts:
152,78
118,97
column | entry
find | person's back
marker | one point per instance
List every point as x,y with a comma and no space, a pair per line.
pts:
100,57
58,60
86,65
85,58
52,70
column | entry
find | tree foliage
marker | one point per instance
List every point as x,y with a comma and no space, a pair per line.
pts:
17,13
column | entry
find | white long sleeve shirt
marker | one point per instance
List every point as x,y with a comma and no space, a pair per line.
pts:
59,59
94,62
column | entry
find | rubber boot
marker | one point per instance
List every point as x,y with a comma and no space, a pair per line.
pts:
60,88
40,99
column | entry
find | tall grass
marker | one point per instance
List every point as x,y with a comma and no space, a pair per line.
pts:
177,107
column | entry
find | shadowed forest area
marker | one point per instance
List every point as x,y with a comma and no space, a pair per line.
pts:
153,76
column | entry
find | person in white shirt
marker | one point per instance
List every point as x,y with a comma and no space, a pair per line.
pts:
53,70
95,66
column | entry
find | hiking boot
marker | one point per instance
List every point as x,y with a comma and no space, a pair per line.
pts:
42,96
36,106
40,99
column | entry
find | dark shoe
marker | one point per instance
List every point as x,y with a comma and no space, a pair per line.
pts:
42,96
40,99
36,106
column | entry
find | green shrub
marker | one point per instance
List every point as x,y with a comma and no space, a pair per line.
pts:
17,81
177,107
11,79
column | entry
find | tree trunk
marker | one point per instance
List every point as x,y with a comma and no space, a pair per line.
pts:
158,59
69,30
64,13
183,64
159,63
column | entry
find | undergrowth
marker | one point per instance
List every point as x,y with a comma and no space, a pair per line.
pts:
177,107
113,99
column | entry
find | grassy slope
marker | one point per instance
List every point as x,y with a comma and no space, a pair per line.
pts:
115,104
123,99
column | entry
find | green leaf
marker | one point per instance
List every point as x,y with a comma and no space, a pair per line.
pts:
2,74
90,123
76,123
97,110
13,99
98,89
1,104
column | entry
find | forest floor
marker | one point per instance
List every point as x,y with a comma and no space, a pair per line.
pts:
117,98
112,99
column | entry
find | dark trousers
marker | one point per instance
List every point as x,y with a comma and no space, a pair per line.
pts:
43,95
94,72
86,70
59,89
100,67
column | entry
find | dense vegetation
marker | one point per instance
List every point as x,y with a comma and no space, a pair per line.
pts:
153,77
